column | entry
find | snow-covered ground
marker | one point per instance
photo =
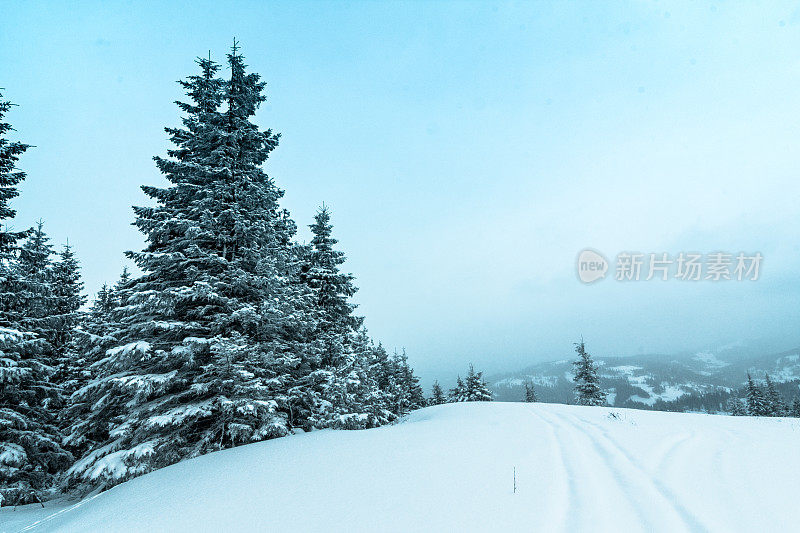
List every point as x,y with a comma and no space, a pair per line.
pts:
450,468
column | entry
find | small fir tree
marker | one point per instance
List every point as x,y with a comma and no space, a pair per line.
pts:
735,407
437,395
775,405
530,393
67,289
36,287
476,389
587,380
796,407
458,392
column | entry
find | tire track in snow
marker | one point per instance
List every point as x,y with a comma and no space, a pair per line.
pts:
666,457
50,517
564,518
609,447
597,502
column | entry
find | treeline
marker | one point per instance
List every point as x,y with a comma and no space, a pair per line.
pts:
234,333
471,389
763,400
769,398
586,385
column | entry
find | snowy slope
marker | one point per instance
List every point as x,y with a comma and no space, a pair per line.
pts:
449,468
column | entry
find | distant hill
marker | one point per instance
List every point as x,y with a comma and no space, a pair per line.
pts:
701,380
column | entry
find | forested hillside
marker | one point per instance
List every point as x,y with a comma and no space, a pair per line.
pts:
234,332
698,381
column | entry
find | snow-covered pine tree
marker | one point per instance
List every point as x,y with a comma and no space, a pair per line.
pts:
116,294
735,407
383,370
775,405
587,380
98,330
351,384
437,395
374,400
30,453
68,297
103,302
459,391
347,396
398,388
208,332
90,338
10,178
12,298
65,317
337,382
796,407
757,404
475,388
415,397
333,289
124,279
530,393
36,288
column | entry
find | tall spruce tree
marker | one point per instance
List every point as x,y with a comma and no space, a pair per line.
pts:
333,289
208,333
757,403
586,378
30,452
348,382
336,385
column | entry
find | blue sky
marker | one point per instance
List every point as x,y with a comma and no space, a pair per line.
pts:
468,151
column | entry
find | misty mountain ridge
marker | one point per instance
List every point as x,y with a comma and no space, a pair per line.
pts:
690,381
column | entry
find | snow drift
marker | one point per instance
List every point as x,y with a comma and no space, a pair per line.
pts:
451,467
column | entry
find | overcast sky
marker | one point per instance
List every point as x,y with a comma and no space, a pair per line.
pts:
469,151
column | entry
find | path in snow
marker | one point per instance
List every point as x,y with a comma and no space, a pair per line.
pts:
450,468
